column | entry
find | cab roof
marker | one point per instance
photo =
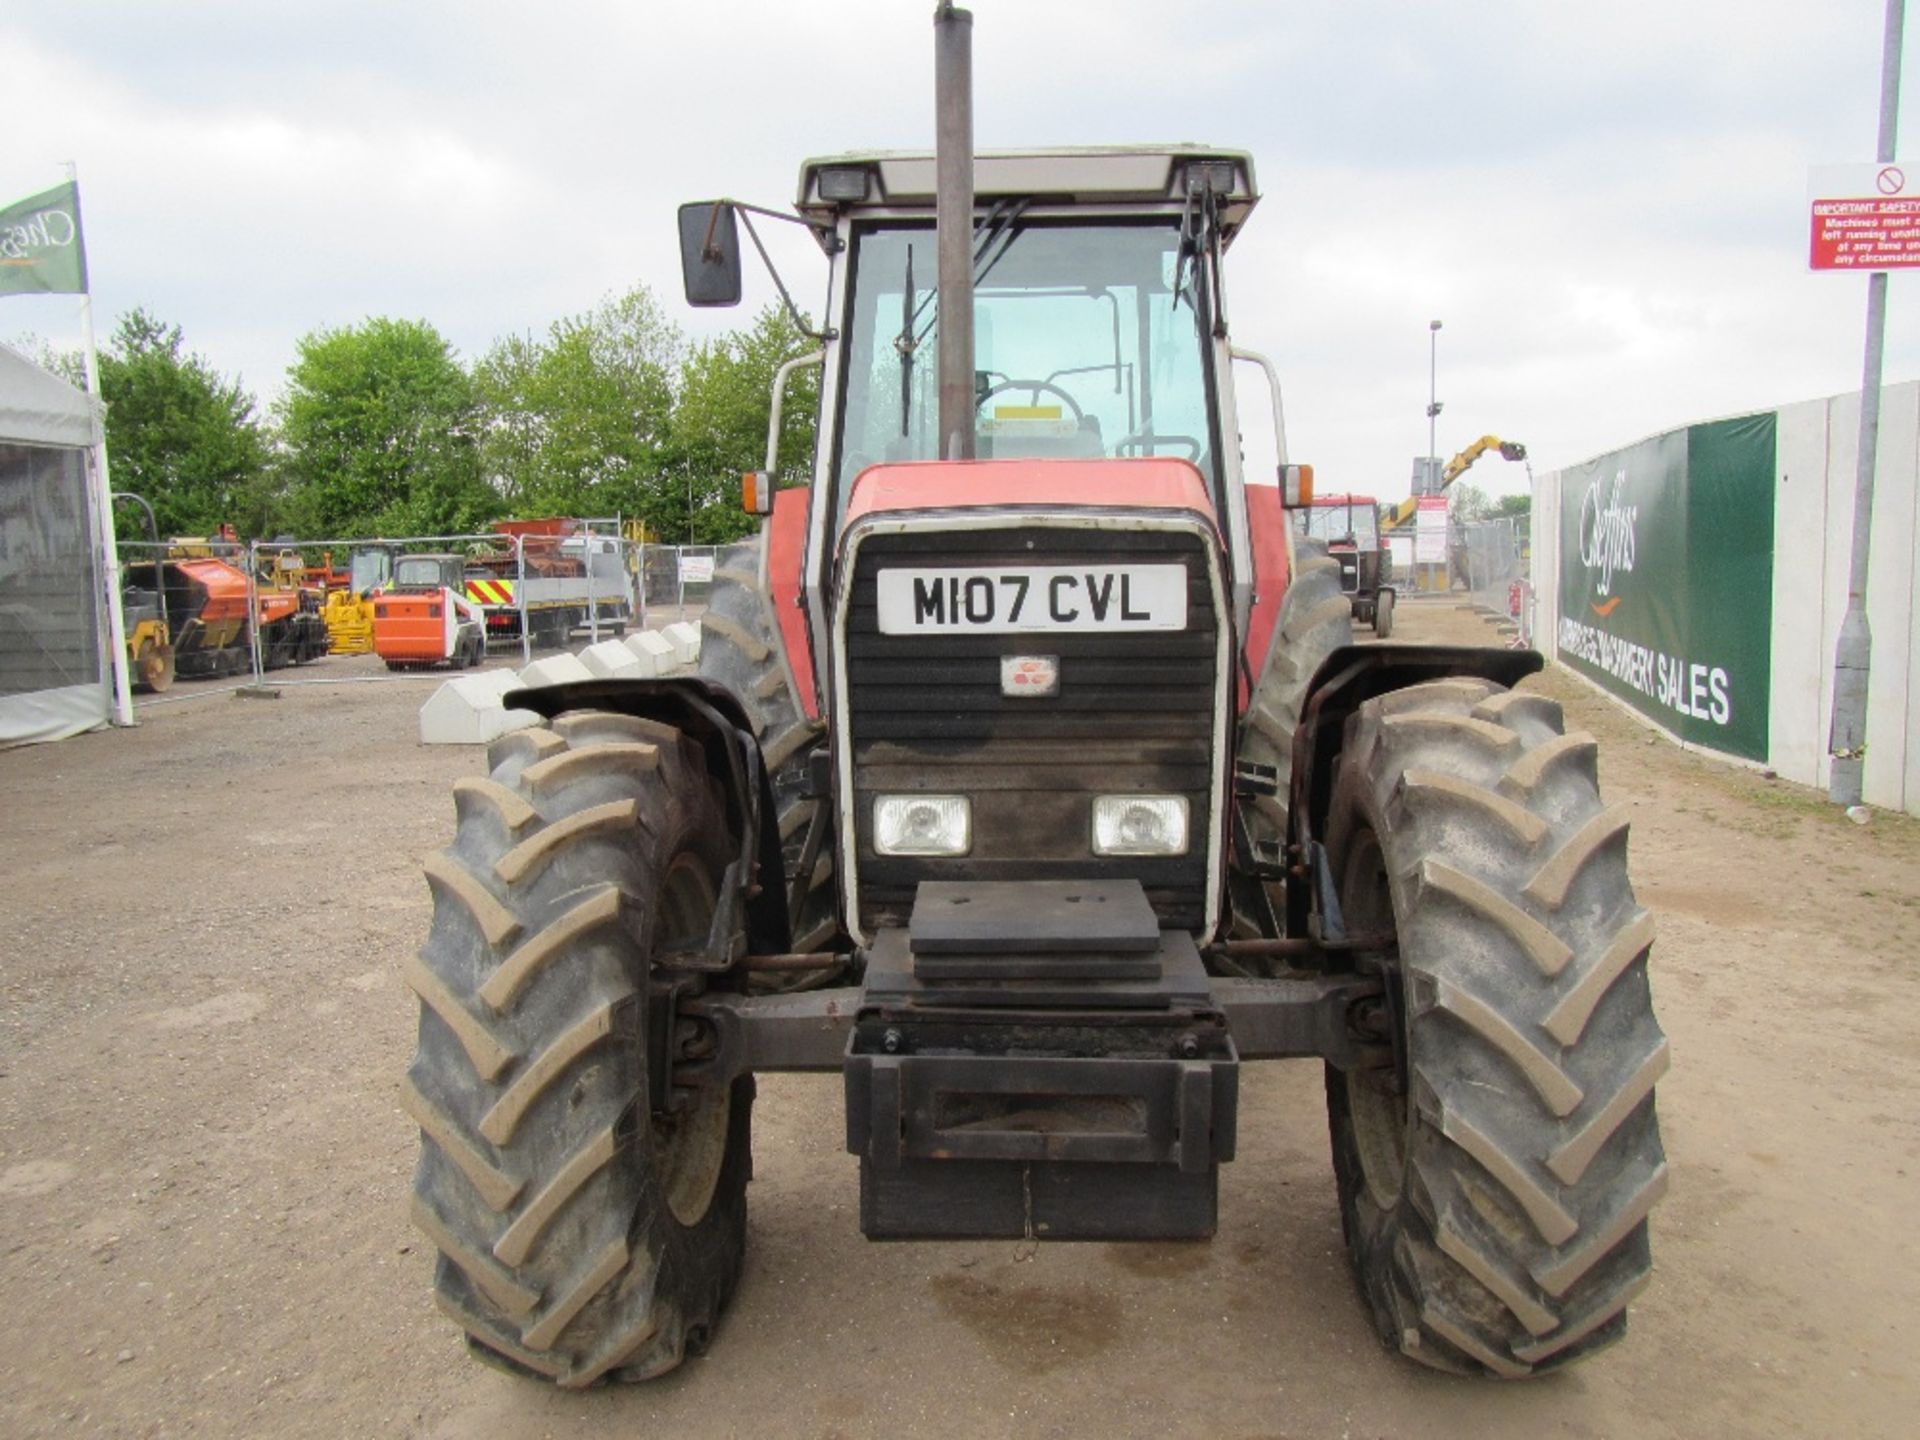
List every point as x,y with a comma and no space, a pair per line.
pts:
1089,175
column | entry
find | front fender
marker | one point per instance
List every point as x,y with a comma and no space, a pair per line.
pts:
713,717
1349,677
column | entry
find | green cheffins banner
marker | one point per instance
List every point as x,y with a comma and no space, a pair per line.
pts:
40,248
1666,578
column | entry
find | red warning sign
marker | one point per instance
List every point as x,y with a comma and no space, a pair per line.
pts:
1863,218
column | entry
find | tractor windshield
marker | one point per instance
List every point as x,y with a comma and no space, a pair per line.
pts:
1081,349
1355,523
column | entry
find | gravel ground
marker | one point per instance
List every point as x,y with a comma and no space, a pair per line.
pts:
203,1167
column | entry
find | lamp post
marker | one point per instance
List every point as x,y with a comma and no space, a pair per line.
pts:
1433,403
1433,416
1853,653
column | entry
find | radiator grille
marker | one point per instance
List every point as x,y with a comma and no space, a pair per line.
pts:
1134,714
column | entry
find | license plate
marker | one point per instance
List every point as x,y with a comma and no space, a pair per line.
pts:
1016,599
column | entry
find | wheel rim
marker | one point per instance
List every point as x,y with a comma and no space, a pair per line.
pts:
691,1146
1380,1115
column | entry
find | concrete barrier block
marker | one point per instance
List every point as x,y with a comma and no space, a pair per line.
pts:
612,660
554,670
653,649
467,711
685,636
499,680
646,649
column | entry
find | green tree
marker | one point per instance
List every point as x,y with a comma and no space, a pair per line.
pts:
1467,503
1512,505
719,428
380,426
575,423
179,433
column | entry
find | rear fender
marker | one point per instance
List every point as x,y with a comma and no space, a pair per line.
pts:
1351,676
712,717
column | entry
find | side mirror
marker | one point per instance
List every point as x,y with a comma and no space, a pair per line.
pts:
1296,486
710,253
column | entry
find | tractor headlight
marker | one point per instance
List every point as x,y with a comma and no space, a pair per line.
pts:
1140,825
922,824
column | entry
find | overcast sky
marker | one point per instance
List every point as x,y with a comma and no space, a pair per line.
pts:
1606,205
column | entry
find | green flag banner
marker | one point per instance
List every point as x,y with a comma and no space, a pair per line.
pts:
40,248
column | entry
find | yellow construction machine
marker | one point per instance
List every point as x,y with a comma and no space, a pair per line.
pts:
348,611
1456,467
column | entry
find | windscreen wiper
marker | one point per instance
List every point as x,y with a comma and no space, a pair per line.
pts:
906,343
996,225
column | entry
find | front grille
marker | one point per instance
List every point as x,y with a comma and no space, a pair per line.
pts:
1134,714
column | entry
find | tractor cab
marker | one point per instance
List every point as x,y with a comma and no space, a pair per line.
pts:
1096,332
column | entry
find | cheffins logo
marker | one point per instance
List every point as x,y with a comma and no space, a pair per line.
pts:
43,230
1606,538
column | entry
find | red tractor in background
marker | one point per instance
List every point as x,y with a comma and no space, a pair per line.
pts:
1349,527
1031,785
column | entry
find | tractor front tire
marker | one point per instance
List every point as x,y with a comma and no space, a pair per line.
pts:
740,646
1383,614
585,1231
1495,1184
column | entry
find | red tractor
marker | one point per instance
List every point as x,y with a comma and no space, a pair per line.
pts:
1030,784
1349,526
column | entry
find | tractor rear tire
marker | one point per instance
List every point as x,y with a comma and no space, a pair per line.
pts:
1315,619
1383,614
583,1233
1495,1203
740,646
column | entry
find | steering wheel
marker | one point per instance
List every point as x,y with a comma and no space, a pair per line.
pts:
1142,439
1034,387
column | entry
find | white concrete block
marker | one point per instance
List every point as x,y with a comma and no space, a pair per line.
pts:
648,649
554,670
612,660
467,711
499,680
653,648
685,636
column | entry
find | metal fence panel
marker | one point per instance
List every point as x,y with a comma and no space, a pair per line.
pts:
1493,555
677,578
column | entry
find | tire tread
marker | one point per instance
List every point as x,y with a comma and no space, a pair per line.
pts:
1520,1235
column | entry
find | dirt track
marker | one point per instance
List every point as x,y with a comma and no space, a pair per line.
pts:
203,1167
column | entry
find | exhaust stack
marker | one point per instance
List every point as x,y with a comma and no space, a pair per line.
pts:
953,165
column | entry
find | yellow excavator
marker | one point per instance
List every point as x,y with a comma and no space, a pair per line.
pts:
1456,467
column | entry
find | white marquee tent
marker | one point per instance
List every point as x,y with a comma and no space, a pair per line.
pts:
55,675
